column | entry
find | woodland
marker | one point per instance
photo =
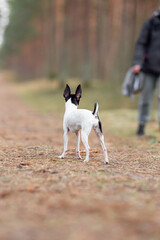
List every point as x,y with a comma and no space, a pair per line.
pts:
85,39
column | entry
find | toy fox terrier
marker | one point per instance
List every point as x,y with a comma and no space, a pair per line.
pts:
76,120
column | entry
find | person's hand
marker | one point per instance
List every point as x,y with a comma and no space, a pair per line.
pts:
136,69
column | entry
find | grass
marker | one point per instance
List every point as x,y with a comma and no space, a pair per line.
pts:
116,111
47,97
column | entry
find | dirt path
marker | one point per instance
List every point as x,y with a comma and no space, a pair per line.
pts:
42,197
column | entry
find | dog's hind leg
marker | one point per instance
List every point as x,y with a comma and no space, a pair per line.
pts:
77,144
98,131
84,137
65,136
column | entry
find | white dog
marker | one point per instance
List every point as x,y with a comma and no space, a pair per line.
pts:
76,120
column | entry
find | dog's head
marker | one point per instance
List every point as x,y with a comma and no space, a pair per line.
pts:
75,98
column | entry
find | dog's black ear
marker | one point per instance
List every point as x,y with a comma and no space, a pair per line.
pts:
78,92
67,92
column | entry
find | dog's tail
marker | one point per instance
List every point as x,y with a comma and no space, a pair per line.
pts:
95,113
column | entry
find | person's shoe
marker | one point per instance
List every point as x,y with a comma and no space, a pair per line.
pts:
140,131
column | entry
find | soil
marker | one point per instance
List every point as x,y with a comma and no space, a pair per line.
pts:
43,197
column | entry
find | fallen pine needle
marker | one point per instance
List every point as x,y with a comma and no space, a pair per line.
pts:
83,151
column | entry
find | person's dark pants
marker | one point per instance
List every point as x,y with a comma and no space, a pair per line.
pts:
145,101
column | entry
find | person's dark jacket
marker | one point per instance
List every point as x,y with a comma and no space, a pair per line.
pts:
147,50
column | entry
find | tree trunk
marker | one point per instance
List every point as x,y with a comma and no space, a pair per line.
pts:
63,73
86,61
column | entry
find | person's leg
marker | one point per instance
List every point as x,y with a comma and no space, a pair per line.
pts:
159,101
145,102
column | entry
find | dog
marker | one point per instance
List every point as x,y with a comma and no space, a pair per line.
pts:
81,120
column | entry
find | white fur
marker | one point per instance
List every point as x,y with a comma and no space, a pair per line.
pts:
81,120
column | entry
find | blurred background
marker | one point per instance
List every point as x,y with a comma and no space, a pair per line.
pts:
68,40
45,44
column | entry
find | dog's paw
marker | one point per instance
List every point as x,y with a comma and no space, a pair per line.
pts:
106,161
79,156
61,156
86,160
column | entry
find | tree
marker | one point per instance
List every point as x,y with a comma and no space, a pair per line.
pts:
63,55
73,38
86,76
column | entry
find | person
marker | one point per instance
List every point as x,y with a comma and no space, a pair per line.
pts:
147,59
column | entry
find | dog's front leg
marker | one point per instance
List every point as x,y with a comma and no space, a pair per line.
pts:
77,144
65,136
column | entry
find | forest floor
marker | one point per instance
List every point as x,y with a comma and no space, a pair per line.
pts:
43,197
